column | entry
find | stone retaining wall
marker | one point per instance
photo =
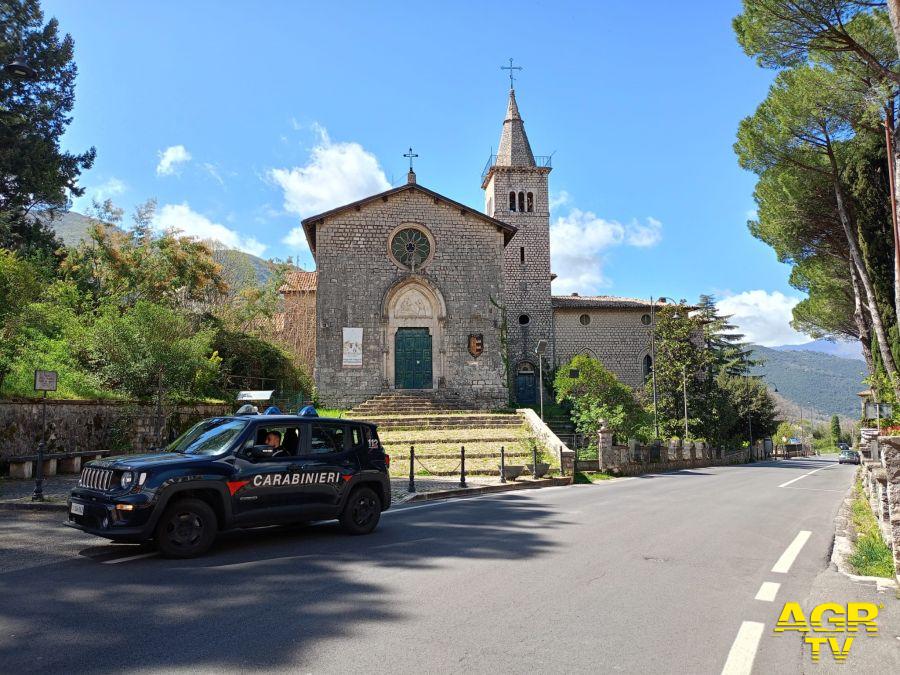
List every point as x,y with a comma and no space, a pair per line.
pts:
123,426
880,477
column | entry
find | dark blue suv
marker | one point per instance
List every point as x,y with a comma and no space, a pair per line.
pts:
237,472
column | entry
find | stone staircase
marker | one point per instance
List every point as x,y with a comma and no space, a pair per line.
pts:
394,403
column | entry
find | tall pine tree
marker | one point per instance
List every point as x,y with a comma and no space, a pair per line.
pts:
728,353
36,176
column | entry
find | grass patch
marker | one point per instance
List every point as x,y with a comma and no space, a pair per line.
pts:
586,477
334,413
871,555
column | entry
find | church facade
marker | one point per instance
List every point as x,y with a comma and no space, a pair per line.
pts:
415,291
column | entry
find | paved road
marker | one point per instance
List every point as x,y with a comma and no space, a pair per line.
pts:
646,575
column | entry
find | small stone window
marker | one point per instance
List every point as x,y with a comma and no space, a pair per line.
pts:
524,319
645,319
512,201
521,201
522,254
584,319
530,202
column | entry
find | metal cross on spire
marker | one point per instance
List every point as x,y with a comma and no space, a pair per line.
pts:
511,68
410,154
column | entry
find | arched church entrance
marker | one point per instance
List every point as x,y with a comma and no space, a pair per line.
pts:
415,316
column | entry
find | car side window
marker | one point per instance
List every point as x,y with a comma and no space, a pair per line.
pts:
357,440
325,439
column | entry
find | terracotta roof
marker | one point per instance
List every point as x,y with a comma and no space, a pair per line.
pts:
297,281
309,224
600,302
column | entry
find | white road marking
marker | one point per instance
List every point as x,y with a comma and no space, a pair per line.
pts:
768,591
116,561
743,651
794,480
404,543
790,554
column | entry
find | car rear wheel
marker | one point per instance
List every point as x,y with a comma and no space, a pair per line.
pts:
186,529
361,512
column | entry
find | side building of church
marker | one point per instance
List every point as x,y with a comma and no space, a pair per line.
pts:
414,291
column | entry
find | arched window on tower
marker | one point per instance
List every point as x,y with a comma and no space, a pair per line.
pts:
648,367
512,201
530,202
521,201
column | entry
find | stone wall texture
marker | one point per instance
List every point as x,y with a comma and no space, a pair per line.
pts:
92,425
526,260
357,280
881,481
614,336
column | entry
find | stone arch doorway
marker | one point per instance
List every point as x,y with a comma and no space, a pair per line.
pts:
414,318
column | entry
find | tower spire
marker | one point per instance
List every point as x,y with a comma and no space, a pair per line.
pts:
514,148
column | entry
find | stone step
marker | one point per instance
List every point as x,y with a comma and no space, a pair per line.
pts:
442,423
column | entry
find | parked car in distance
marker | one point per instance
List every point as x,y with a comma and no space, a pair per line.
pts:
848,457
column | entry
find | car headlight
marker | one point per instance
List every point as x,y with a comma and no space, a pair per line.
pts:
127,480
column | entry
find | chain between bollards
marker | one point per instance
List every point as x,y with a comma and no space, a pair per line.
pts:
462,466
502,464
412,469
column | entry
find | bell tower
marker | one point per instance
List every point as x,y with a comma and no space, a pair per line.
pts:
516,191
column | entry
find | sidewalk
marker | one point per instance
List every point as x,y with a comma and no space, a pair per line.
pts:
16,494
869,653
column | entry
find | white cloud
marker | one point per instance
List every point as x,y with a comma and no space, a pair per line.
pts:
336,173
579,242
213,171
558,199
763,317
170,158
181,217
106,190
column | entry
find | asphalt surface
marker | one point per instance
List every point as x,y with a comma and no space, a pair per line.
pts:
655,574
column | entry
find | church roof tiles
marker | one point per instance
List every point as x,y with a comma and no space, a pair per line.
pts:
599,302
298,281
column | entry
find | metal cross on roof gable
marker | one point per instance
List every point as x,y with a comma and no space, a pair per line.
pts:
511,68
410,154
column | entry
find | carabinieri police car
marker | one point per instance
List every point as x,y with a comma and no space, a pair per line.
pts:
235,472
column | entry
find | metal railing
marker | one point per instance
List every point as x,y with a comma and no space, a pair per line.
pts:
543,161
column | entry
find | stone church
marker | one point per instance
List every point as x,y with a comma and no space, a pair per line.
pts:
416,291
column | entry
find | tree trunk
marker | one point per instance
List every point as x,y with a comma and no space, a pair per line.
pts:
884,346
862,326
892,158
894,12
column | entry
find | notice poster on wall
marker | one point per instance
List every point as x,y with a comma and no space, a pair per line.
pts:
352,347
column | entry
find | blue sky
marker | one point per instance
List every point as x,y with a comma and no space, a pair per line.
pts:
241,118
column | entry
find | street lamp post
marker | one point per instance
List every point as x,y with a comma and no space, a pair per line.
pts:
653,363
684,385
540,350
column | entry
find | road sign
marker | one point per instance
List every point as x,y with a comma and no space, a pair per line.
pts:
45,380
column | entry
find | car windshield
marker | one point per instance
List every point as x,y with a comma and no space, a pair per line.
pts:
209,437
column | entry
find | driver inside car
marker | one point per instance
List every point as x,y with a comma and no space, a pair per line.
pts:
273,439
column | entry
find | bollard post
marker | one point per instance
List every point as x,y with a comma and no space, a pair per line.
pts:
502,464
534,461
412,470
462,466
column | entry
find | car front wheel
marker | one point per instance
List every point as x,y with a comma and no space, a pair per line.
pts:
187,529
361,512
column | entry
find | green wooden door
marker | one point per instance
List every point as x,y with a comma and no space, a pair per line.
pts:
412,359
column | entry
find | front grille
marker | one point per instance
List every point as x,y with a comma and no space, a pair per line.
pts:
96,479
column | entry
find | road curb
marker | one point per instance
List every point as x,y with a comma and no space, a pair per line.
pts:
842,546
486,489
32,506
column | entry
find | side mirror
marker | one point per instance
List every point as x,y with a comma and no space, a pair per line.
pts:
260,452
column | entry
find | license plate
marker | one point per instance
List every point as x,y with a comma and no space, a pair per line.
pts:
77,509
